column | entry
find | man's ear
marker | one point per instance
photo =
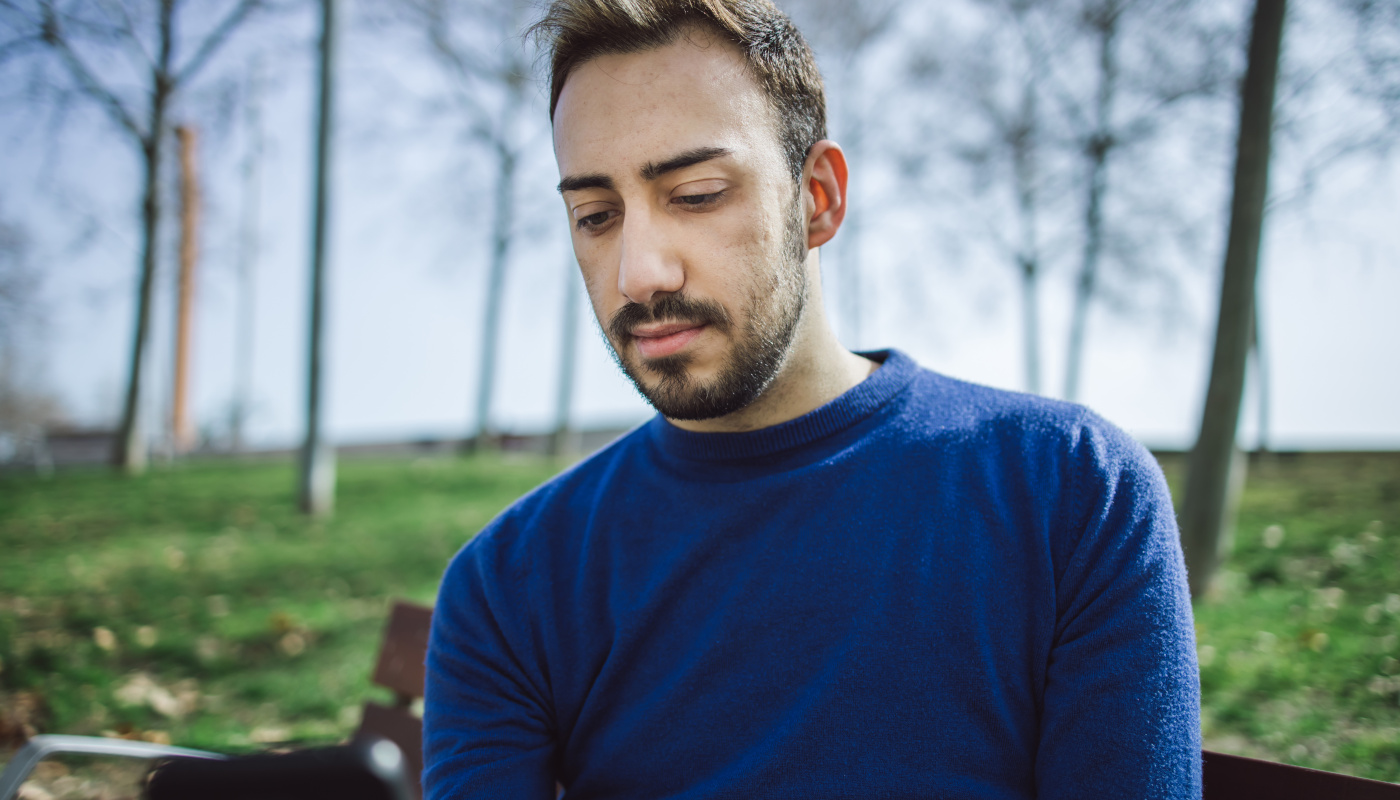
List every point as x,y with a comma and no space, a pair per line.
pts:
824,191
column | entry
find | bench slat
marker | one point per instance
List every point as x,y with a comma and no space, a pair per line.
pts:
400,666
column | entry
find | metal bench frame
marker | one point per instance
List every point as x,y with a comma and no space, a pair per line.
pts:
43,746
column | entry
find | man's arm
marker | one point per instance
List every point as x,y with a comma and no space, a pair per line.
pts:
1121,714
487,725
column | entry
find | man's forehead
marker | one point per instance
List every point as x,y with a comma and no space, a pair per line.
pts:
618,112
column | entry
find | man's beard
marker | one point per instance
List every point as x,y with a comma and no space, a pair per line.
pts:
759,351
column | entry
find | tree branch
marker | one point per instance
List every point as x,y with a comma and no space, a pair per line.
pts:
12,47
52,35
464,71
10,5
127,27
215,40
438,27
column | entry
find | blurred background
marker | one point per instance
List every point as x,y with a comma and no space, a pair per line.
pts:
969,127
1040,200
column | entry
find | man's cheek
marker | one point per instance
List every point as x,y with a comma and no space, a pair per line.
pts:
599,282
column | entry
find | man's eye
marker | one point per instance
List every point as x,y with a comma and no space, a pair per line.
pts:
594,221
699,199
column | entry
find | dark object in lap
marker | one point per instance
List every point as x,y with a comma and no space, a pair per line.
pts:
369,769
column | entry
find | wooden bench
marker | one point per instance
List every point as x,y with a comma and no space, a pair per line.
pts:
400,670
1226,777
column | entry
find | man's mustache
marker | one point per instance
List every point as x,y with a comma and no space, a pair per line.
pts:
674,307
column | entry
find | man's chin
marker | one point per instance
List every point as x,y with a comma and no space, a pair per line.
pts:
694,406
677,367
677,393
694,385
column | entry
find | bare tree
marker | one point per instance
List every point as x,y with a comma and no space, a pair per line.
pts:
1279,105
18,281
1339,92
562,442
1376,40
1045,103
1003,153
182,435
1205,511
316,468
26,409
477,45
95,46
1102,19
1112,107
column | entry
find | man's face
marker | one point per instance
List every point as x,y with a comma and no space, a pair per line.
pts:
685,221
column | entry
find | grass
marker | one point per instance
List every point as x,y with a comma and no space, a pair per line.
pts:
195,605
1298,646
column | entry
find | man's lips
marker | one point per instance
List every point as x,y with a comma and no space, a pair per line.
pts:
659,341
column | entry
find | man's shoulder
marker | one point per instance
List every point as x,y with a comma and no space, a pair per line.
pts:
962,408
957,414
964,403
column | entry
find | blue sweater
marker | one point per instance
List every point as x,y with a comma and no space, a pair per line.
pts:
925,588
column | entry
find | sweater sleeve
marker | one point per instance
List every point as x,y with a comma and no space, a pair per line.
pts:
1121,708
487,725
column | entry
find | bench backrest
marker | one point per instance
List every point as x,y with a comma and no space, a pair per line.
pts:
400,665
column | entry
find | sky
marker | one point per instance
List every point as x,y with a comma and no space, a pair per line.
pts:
410,220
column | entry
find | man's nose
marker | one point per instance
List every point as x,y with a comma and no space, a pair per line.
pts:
650,265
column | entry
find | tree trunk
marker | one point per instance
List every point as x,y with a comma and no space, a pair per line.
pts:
1085,284
130,453
562,444
1097,150
495,290
316,482
130,448
1031,322
181,424
1028,259
1205,512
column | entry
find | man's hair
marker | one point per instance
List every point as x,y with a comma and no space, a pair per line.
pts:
575,31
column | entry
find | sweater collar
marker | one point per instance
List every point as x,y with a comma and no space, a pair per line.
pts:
858,403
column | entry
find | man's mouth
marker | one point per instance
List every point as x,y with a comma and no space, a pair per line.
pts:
661,340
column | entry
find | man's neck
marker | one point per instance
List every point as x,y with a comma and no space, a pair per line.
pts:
818,370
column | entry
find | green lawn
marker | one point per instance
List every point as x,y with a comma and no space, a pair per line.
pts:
195,605
1298,649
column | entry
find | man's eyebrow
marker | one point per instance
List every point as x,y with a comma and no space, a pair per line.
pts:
650,172
592,180
689,158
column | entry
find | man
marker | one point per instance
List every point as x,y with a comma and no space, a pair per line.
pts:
815,573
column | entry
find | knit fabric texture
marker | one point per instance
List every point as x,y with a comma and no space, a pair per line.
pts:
925,588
